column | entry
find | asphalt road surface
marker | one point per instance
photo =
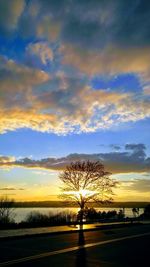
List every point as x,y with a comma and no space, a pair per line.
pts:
121,247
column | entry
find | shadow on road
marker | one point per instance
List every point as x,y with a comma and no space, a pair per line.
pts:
81,253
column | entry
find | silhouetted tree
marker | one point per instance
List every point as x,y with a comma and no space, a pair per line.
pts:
135,212
6,210
121,214
86,181
147,211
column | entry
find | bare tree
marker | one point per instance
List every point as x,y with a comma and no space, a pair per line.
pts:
135,212
84,182
6,209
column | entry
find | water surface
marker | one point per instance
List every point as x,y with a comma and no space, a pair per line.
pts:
21,213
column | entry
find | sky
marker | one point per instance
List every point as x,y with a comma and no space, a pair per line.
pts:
74,85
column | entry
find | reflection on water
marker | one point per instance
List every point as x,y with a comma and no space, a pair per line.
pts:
81,252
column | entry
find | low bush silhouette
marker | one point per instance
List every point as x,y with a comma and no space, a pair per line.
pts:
6,212
35,219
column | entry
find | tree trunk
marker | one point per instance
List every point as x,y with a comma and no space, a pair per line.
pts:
81,214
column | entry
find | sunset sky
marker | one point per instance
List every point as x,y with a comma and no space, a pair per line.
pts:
74,85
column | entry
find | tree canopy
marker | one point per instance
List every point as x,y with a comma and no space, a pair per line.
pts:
86,181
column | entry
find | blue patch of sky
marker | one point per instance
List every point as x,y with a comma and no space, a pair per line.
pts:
24,142
22,177
128,82
7,176
14,48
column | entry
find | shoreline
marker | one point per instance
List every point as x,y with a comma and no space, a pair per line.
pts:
58,204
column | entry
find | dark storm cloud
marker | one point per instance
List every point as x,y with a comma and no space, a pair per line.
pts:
86,23
117,22
10,12
102,22
125,23
116,162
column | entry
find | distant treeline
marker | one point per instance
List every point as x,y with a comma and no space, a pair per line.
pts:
57,204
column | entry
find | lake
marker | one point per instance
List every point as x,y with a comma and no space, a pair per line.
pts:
21,213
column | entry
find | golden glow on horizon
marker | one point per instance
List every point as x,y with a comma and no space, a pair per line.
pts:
52,195
81,193
45,186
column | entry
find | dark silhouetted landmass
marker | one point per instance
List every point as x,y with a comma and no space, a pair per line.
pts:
58,204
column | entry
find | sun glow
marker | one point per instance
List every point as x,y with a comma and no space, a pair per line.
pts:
81,193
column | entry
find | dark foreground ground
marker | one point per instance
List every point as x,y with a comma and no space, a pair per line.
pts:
123,247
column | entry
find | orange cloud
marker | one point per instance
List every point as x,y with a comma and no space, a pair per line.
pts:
18,118
110,60
66,105
6,159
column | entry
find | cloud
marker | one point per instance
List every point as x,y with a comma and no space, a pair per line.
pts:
19,118
102,22
41,51
135,147
115,162
45,173
17,107
10,189
8,194
138,150
16,81
146,90
61,103
63,45
10,12
120,23
111,60
115,147
138,185
117,22
5,159
49,28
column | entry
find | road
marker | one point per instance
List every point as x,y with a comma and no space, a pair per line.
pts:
122,247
